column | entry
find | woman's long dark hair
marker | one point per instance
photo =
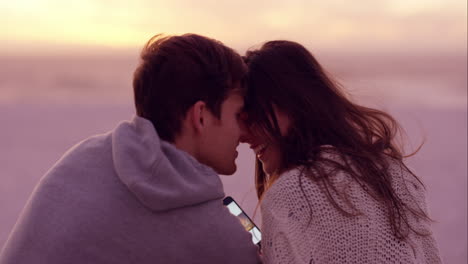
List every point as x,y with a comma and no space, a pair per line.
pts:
285,75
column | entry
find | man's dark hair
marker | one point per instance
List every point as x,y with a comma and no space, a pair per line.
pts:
177,71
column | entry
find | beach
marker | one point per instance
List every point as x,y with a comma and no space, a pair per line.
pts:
58,106
35,136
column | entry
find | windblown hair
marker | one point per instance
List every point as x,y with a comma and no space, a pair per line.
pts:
286,75
177,71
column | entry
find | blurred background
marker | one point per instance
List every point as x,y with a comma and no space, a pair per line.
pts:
66,71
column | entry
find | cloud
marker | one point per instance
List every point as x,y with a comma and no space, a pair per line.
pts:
436,24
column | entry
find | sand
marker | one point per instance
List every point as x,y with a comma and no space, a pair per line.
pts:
34,136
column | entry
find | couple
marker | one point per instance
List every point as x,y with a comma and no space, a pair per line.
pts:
330,179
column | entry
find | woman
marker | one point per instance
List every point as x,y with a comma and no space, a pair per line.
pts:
330,177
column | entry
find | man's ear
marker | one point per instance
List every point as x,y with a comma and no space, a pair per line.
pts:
197,115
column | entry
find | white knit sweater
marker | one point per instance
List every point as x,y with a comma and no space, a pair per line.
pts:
297,231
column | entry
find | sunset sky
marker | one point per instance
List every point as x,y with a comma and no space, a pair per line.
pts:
40,25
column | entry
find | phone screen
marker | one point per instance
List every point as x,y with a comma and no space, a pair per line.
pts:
248,224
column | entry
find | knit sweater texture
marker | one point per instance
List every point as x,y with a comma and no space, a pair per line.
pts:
128,197
301,225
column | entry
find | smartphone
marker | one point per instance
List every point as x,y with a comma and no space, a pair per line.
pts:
248,224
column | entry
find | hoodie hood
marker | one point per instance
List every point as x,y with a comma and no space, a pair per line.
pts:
160,175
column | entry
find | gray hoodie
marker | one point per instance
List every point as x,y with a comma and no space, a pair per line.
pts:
128,197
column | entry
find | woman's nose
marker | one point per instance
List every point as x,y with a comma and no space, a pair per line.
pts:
245,135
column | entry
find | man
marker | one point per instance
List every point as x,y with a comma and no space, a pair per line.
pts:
148,191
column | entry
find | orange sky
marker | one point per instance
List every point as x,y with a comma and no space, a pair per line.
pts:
31,25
